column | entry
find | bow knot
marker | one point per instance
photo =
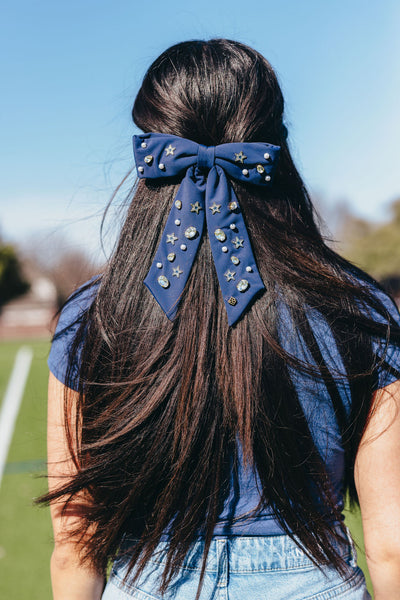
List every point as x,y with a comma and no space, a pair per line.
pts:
205,157
200,200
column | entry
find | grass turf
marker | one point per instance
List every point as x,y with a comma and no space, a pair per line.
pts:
25,535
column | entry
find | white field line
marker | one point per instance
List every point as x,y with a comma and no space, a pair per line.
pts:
12,401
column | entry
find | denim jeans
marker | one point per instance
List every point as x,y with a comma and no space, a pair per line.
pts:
244,568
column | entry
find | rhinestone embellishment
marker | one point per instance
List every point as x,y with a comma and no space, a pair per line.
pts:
159,265
224,249
235,260
171,238
144,145
267,156
161,166
267,178
232,205
169,150
183,246
163,281
245,172
190,232
220,235
230,275
177,272
242,285
239,157
249,269
196,207
232,301
140,169
260,169
178,204
215,208
171,256
232,225
238,242
177,221
148,159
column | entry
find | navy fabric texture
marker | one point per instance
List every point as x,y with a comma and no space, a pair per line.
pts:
236,518
205,195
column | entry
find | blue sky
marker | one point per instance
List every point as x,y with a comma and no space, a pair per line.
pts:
70,72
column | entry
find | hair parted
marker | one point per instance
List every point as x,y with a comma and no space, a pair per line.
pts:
161,403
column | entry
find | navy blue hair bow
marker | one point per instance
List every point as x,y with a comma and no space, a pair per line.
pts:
204,191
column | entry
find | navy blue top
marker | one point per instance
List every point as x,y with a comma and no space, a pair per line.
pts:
313,395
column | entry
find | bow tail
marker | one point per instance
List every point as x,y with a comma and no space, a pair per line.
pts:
238,276
178,247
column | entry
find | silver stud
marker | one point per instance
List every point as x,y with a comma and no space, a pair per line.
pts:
159,265
148,159
224,249
220,235
177,272
235,260
260,169
171,238
232,205
267,156
171,256
245,171
230,275
144,145
232,225
140,169
178,204
163,281
177,221
267,178
161,166
242,285
249,269
183,246
190,233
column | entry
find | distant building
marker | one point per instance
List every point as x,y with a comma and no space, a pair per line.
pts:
30,315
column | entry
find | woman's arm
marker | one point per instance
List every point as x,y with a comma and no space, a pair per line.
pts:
377,478
70,580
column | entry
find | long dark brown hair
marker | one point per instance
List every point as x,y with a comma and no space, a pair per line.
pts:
161,404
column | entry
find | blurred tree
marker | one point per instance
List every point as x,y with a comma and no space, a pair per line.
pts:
12,279
71,269
374,248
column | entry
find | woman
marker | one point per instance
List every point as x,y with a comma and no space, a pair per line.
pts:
203,439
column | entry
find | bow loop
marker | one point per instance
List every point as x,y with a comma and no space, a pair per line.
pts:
201,199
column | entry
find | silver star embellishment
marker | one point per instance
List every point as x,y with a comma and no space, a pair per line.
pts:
170,150
238,242
230,275
195,207
177,272
215,208
171,238
239,157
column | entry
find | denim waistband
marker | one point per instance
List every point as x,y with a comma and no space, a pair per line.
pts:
248,553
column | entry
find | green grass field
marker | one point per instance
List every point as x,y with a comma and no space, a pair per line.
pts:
25,530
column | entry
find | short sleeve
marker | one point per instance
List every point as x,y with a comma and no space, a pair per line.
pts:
388,370
68,324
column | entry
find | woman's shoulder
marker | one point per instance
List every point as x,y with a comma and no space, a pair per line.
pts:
70,318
